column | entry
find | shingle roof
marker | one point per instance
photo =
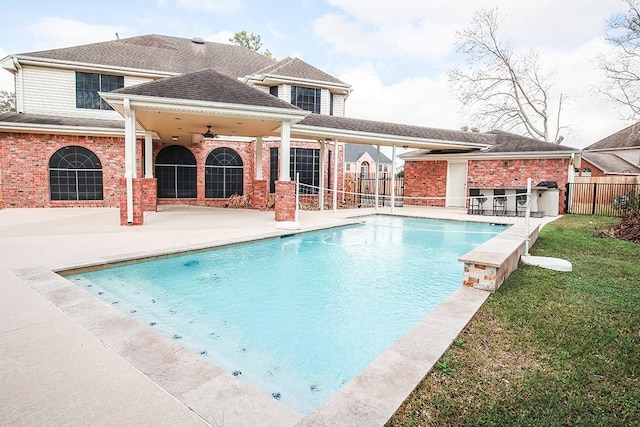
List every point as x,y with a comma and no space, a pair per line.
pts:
396,129
163,53
626,138
206,85
294,67
506,142
60,121
352,152
500,142
610,163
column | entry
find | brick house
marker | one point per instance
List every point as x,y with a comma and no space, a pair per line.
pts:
497,168
616,155
149,120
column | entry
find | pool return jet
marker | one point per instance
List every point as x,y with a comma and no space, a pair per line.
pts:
550,263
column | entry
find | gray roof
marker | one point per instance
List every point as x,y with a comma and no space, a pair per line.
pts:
163,53
500,142
294,67
352,152
611,163
506,142
396,129
60,121
209,86
626,138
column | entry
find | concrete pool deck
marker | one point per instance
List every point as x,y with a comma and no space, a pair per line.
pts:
69,359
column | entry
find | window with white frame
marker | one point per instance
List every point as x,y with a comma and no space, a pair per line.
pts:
306,98
89,84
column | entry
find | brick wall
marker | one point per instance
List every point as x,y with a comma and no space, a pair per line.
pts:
428,178
595,171
514,173
25,168
425,179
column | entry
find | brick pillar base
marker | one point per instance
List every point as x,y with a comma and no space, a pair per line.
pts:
260,195
149,194
138,217
285,201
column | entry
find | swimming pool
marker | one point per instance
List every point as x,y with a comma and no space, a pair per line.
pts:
297,317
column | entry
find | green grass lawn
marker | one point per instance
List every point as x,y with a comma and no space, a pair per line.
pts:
548,348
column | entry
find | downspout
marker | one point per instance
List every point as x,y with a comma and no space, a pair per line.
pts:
20,89
128,170
323,149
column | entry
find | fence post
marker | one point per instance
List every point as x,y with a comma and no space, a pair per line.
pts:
567,206
595,195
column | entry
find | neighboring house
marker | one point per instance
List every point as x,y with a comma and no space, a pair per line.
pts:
617,154
149,120
361,160
501,165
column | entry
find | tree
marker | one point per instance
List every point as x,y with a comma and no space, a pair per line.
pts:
621,67
250,41
7,102
500,89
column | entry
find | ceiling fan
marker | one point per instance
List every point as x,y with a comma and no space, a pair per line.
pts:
208,133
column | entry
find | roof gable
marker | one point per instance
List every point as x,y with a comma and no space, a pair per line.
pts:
298,69
155,52
353,152
626,138
207,86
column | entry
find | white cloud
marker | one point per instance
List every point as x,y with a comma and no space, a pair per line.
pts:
222,6
55,32
416,101
219,37
6,78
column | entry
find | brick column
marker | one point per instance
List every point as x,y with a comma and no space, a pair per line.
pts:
138,217
149,194
285,201
260,194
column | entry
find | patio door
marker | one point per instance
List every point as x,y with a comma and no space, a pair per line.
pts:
456,185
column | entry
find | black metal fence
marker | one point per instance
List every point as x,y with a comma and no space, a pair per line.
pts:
602,199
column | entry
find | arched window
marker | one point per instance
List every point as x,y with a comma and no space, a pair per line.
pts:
75,173
364,170
176,173
223,174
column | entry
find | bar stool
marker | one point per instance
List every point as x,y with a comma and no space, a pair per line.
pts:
476,201
499,201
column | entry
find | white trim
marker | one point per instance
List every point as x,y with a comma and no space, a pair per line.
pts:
72,65
490,156
269,79
141,102
62,129
379,138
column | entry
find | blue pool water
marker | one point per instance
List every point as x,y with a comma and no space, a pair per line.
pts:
297,317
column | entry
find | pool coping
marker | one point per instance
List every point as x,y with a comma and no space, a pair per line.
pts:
370,398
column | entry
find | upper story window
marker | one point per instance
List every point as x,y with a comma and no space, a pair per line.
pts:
273,90
89,84
306,98
331,103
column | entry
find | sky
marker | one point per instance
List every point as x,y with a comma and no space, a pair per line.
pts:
394,54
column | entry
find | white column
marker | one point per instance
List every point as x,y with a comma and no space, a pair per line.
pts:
335,176
377,174
129,155
148,154
323,150
285,151
259,158
393,179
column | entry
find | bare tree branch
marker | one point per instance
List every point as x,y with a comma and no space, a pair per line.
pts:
500,88
621,68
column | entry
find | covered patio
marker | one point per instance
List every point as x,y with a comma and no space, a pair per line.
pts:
192,108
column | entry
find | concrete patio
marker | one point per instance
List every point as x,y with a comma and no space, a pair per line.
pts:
69,359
